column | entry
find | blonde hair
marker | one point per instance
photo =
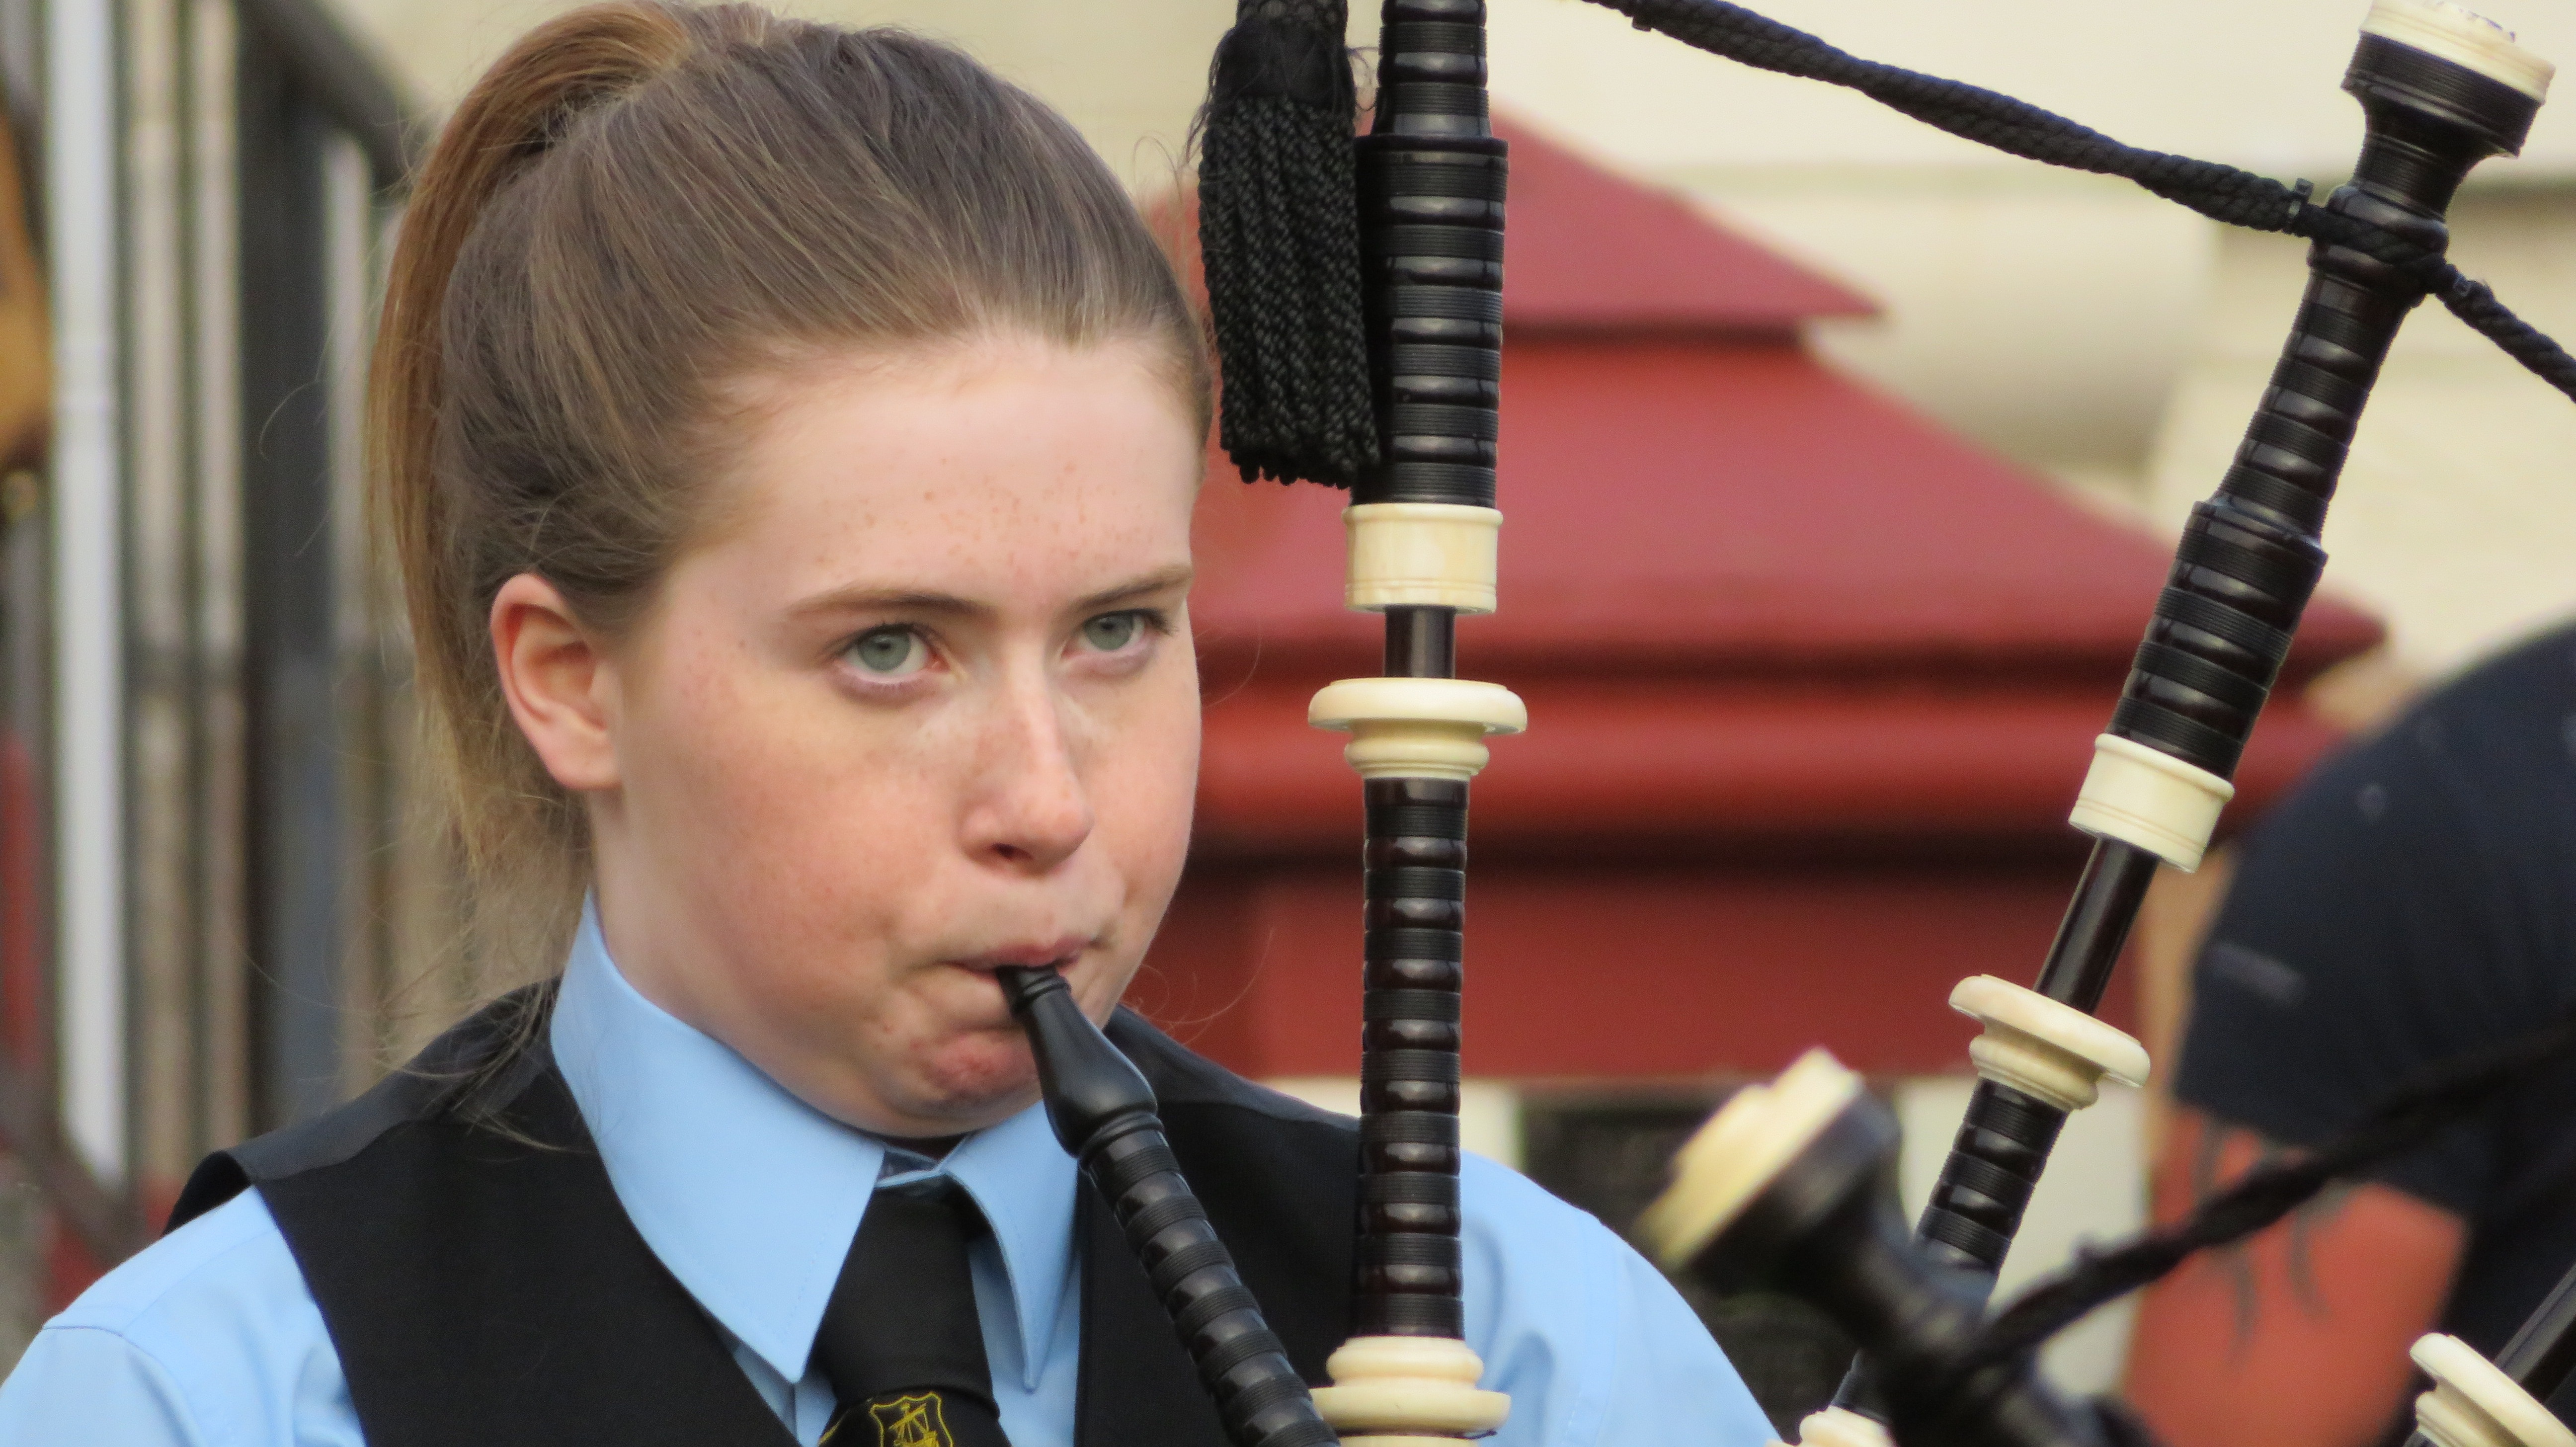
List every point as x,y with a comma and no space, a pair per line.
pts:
642,202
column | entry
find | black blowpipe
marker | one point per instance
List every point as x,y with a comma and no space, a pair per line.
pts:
1103,1114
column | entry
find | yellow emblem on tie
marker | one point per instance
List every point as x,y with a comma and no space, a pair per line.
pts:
912,1421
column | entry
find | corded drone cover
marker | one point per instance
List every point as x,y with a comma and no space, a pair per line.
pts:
1279,235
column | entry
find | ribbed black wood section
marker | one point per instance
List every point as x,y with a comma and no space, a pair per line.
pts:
1431,181
1976,1206
2247,562
1431,178
1994,1165
2250,555
1413,950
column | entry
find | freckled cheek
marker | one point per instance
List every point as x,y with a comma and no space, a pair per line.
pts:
855,834
1143,795
822,899
1142,802
807,823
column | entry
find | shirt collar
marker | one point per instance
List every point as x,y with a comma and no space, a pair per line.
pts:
750,1196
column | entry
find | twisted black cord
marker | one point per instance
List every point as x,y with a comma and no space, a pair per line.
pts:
1279,237
2220,192
2404,1119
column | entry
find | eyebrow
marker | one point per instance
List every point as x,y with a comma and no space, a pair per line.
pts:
923,600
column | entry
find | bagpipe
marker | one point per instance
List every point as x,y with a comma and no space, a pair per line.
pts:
1355,291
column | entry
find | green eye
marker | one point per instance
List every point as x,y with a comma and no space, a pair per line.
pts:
1112,631
890,652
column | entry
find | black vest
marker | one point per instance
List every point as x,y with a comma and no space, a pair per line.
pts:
484,1288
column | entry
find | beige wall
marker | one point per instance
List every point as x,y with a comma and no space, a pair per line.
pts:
1128,72
2248,83
2042,312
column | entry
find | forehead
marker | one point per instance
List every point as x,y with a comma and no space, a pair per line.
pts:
977,467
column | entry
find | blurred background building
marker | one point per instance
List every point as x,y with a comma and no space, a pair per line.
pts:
1815,633
200,839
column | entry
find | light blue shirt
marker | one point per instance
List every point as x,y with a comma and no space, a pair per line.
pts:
210,1339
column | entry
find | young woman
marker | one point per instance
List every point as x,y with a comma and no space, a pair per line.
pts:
789,436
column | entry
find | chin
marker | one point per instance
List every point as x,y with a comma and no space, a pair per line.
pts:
981,1076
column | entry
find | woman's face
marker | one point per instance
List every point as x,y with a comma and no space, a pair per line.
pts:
924,703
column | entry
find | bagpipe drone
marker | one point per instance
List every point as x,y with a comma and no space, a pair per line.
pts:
1355,287
1792,1185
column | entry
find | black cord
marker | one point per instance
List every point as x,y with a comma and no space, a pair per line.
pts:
2220,192
2404,1119
1279,239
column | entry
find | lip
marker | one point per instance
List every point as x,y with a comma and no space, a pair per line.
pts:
1059,953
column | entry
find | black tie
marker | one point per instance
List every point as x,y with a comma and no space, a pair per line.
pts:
900,1342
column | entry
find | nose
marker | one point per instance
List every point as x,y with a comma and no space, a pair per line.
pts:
1029,811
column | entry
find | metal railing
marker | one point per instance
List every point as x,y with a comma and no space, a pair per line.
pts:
198,663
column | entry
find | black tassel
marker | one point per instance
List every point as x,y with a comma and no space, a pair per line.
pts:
1279,236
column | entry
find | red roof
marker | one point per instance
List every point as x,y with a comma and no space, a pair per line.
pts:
1740,591
1749,602
1590,250
1680,505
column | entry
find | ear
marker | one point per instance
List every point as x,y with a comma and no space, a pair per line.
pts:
560,683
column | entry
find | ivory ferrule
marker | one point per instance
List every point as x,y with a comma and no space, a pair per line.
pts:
2044,1048
2154,801
1421,555
1398,1389
1842,1427
2474,1404
1759,1130
1417,728
2462,37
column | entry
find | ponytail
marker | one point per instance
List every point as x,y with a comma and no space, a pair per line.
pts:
503,805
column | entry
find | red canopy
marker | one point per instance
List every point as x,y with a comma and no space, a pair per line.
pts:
1811,685
1592,252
